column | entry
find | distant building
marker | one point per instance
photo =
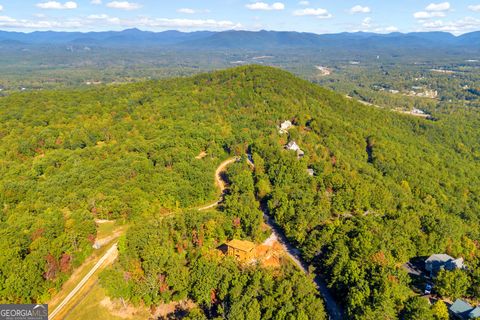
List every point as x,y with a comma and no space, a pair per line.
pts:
437,262
311,172
241,250
284,126
293,146
324,71
418,111
462,310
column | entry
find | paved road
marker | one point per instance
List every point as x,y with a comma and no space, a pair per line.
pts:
334,311
109,254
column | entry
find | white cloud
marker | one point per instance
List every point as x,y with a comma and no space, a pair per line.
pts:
443,6
57,5
96,2
391,29
9,22
192,11
460,26
475,7
369,25
304,3
96,21
359,9
6,19
124,5
186,10
319,13
367,22
186,23
433,10
1,7
265,6
105,18
423,15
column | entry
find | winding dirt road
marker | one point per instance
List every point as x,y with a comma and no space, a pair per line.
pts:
112,253
220,182
334,310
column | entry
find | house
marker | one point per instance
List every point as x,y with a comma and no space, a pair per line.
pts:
418,111
293,146
437,262
284,126
241,250
462,310
311,172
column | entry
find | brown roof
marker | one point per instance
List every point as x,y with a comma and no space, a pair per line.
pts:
242,245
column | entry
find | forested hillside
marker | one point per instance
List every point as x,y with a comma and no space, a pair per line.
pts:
386,188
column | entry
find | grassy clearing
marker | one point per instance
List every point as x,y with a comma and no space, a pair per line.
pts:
106,229
90,306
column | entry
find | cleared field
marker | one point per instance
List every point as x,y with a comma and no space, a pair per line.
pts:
94,304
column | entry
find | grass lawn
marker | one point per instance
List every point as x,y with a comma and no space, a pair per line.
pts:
106,229
90,307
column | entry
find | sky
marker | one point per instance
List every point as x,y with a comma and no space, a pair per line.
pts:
318,16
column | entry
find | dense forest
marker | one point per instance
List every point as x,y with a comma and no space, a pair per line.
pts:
386,188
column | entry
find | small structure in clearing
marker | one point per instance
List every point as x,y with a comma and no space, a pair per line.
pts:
437,262
241,249
324,71
462,310
268,254
293,146
284,126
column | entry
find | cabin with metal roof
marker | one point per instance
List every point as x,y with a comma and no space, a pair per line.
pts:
462,310
241,249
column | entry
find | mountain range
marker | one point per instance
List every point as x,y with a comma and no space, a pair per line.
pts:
244,39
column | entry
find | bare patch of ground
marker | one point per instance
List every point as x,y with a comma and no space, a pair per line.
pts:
174,308
101,221
117,308
201,155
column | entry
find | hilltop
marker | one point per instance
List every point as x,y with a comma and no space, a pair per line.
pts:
386,187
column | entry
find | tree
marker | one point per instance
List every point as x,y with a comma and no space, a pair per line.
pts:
440,310
453,284
417,308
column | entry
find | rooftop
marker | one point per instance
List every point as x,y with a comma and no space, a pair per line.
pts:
475,313
464,310
242,245
441,257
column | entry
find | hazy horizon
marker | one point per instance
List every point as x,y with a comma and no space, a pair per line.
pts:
235,30
320,17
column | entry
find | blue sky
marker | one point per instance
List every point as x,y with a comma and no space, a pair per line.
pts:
319,16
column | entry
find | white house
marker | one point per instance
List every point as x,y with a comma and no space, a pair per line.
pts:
284,126
293,146
437,262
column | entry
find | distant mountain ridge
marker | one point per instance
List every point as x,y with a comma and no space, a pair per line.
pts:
244,39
